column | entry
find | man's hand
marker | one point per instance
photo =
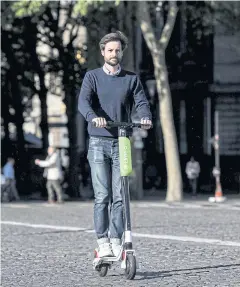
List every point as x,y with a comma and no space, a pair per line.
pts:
37,161
100,122
146,123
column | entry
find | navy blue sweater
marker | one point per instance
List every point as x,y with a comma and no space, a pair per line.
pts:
111,97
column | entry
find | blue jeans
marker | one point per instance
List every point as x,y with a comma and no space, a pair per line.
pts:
103,157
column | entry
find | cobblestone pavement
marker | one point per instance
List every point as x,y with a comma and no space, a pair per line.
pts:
176,245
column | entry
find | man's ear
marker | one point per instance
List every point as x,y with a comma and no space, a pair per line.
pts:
102,52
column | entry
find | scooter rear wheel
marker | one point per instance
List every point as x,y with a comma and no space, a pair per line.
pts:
102,270
131,267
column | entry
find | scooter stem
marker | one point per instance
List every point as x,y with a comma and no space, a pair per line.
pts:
126,203
127,216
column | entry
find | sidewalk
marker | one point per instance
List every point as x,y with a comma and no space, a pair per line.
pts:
200,200
160,197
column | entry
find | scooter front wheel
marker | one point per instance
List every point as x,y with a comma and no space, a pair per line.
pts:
102,270
131,267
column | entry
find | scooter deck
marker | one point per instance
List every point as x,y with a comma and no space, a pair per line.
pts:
110,260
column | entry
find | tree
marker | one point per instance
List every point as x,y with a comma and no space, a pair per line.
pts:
13,89
31,42
24,46
157,47
5,107
57,28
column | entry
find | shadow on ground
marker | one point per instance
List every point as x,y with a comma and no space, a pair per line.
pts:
187,271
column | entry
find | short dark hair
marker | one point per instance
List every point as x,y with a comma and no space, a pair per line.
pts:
116,36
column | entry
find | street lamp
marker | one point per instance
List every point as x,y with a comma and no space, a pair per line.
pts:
216,170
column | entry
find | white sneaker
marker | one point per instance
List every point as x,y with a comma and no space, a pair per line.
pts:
116,246
105,249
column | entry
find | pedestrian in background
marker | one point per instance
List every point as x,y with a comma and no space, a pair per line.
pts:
9,174
192,171
5,193
53,173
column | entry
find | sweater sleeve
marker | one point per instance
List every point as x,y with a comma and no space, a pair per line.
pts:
85,99
141,102
48,162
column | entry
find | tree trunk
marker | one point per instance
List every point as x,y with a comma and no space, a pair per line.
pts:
70,101
20,153
157,48
174,179
44,114
74,154
6,143
5,109
19,121
31,41
14,72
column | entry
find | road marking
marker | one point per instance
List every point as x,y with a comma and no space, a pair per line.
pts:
18,205
140,235
55,227
187,206
188,239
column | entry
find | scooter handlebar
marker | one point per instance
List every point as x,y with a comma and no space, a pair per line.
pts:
125,125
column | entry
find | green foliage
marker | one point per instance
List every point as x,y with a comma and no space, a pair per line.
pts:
25,8
81,7
117,2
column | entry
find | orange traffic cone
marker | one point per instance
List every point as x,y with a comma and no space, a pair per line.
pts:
218,197
218,191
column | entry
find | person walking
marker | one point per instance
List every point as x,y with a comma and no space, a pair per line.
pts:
9,174
192,171
109,93
53,173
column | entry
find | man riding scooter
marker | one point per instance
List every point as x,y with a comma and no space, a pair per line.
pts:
108,94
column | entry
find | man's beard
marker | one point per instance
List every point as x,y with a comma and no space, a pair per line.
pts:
111,63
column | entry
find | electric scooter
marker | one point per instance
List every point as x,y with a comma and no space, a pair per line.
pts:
127,255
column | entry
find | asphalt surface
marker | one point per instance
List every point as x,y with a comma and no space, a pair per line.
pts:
176,245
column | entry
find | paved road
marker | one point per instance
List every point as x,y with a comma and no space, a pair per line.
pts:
177,245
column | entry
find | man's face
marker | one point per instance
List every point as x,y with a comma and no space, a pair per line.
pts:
113,53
